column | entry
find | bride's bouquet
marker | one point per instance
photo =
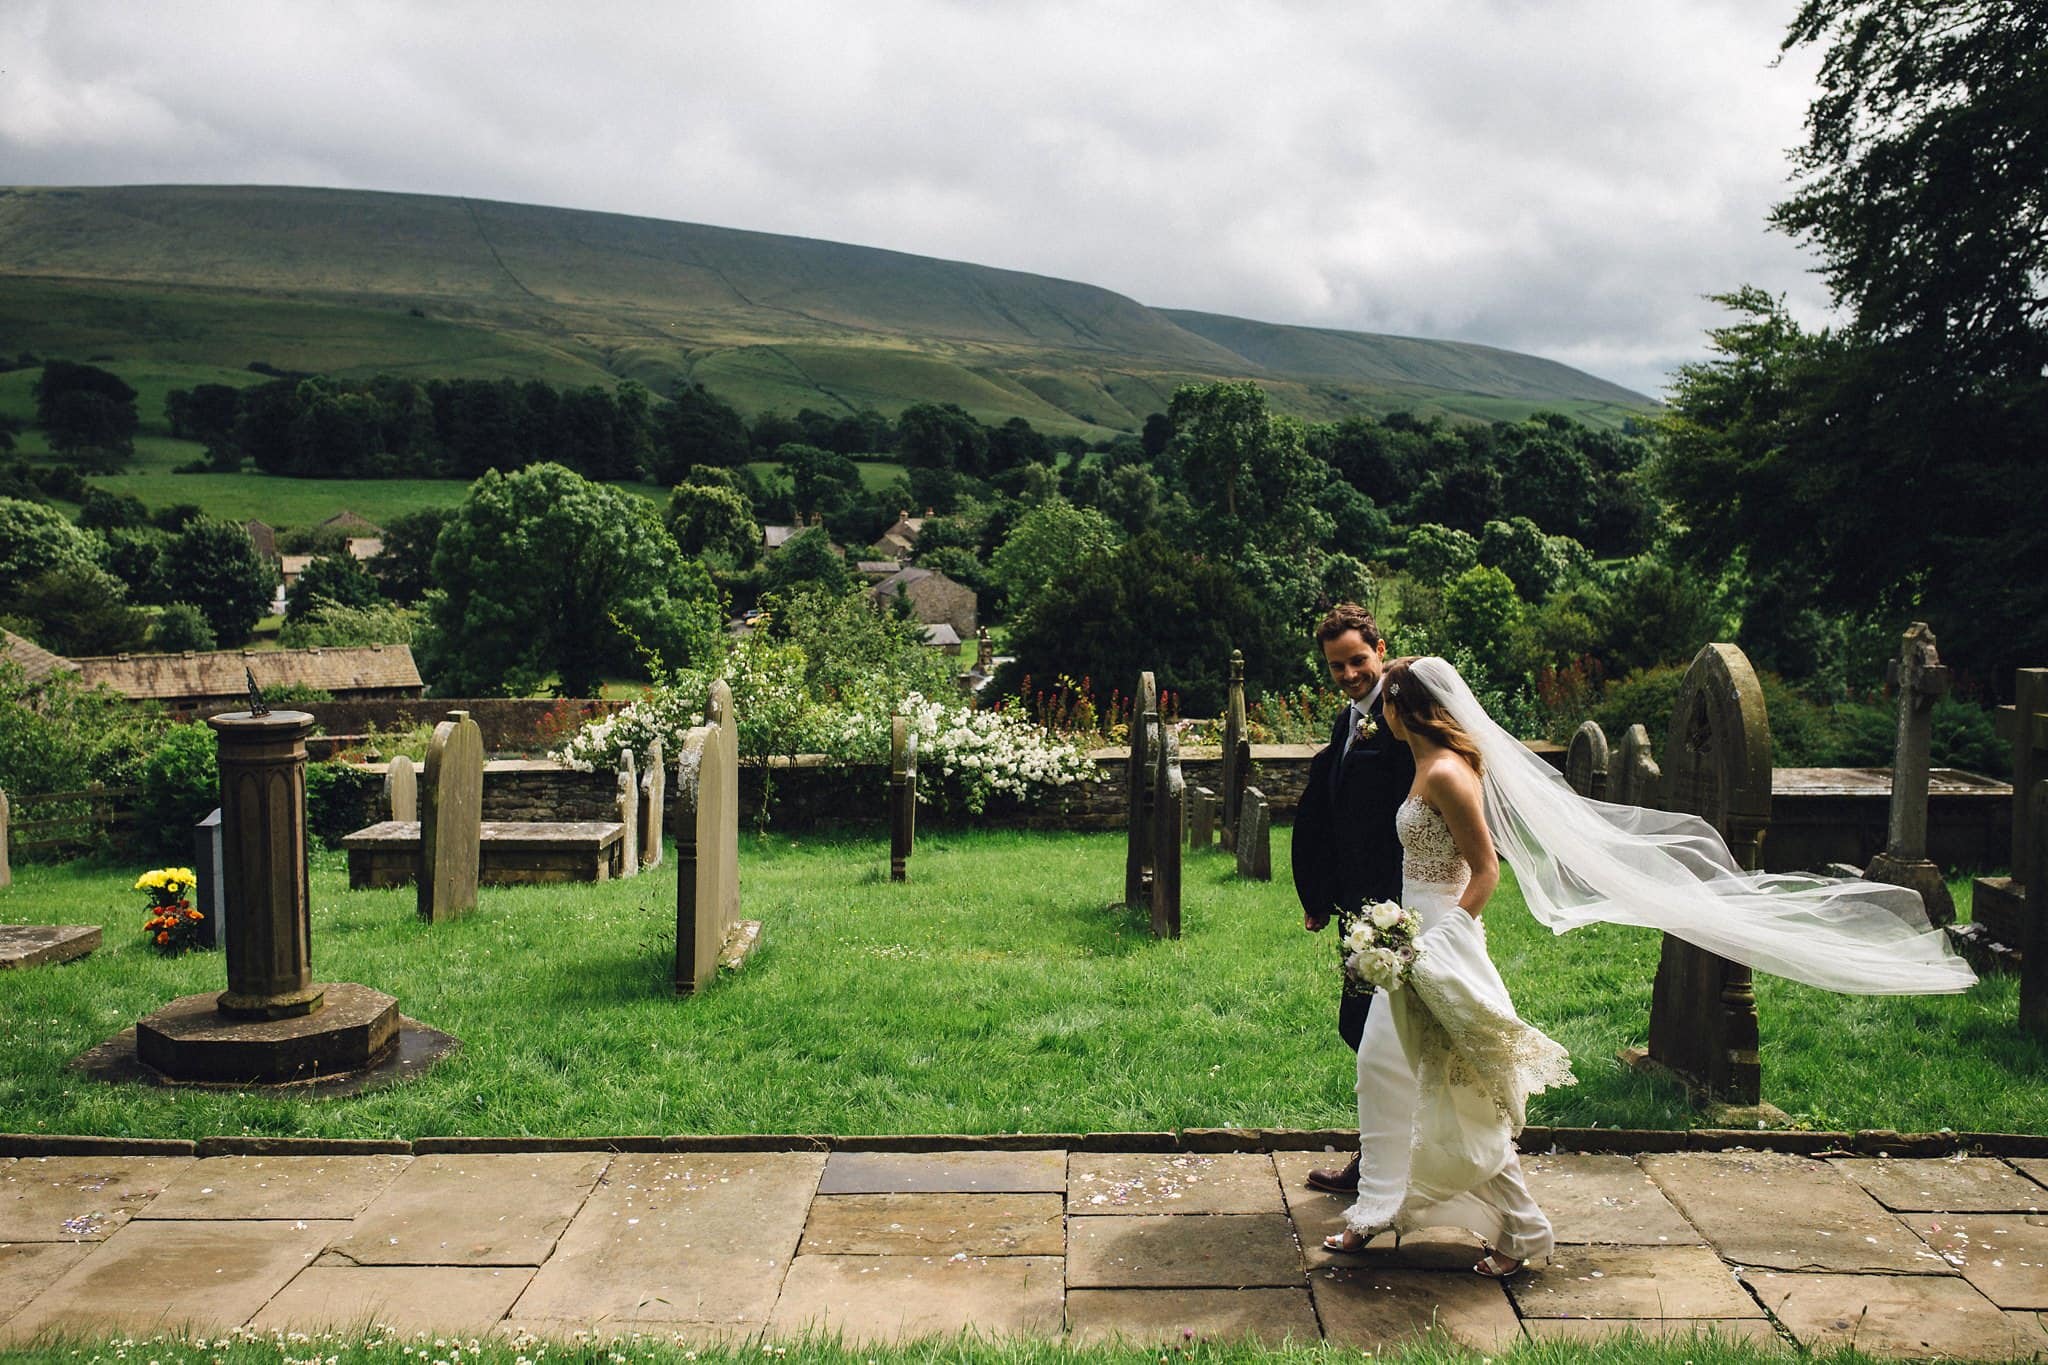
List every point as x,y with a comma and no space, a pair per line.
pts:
1379,947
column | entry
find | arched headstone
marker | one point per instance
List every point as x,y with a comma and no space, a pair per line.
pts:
1138,790
402,789
1237,752
1585,761
1634,779
451,820
1717,765
707,816
902,796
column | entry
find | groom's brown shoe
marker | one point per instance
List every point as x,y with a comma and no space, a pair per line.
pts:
1334,1180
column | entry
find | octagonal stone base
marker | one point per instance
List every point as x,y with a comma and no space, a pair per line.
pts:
191,1040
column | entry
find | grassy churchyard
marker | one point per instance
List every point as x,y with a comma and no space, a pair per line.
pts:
997,991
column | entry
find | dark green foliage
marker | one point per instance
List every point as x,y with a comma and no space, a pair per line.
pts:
807,559
340,798
1657,614
1437,554
1534,562
58,735
104,511
180,626
86,411
405,566
180,783
823,483
714,523
941,436
77,610
336,579
695,428
213,565
205,413
35,539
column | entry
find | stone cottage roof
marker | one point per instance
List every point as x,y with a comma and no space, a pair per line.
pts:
219,673
353,524
37,663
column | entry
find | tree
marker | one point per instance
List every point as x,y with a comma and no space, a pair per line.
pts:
1482,614
213,565
1437,554
714,523
80,610
337,580
1050,541
405,566
825,483
941,436
543,575
695,428
180,626
807,559
1537,564
35,539
84,409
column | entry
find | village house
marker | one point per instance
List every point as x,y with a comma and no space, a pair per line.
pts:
935,599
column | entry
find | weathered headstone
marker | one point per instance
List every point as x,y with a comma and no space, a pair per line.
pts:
451,819
6,872
1920,679
719,711
402,788
1255,837
1201,817
2034,944
902,796
1237,752
2004,905
1168,788
1717,765
1634,779
207,871
707,845
1585,761
627,805
1138,791
653,804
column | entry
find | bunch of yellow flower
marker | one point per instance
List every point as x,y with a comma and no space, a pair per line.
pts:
173,924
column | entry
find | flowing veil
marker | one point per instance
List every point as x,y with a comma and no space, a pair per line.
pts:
1581,861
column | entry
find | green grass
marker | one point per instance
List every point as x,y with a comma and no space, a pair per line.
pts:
873,473
997,991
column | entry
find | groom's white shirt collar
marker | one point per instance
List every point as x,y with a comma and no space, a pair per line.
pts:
1364,708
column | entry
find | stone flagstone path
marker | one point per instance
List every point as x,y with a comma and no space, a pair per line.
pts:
1904,1257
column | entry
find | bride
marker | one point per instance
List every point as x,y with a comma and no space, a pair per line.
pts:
1446,1067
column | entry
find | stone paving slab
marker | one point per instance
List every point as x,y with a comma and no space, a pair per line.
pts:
1605,1199
276,1187
1371,1307
2035,1168
1175,1317
1950,1184
28,1268
1748,1331
1632,1282
78,1198
45,945
150,1276
1890,1315
678,1238
1788,1213
1293,1169
1136,1182
405,1298
1026,1172
1162,1251
886,1298
2005,1255
941,1224
473,1209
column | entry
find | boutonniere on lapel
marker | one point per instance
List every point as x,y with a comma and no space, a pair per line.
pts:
1367,727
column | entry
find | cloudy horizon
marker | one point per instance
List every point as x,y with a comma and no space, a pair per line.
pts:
1568,183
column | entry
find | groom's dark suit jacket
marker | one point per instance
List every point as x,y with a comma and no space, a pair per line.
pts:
1345,852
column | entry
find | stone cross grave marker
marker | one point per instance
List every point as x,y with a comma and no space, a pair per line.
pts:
1255,837
1717,765
1138,792
902,796
208,871
1634,779
627,805
2005,905
1168,788
1920,678
451,819
707,815
1201,817
1585,762
402,789
6,872
1237,752
653,804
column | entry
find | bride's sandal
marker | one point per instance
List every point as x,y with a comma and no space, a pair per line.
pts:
1495,1266
1345,1243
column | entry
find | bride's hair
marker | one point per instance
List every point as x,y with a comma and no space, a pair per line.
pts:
1421,711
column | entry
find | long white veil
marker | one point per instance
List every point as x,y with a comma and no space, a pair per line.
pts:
1581,861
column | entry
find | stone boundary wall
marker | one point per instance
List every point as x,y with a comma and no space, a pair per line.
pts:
510,725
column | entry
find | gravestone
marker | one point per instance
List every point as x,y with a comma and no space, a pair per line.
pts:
1138,792
2003,906
6,872
2034,945
207,873
1168,789
653,804
902,796
1255,837
1237,752
1717,765
402,789
451,819
1634,779
1919,678
706,830
1585,761
1201,817
627,804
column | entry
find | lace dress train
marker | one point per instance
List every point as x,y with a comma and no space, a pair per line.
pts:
1445,1070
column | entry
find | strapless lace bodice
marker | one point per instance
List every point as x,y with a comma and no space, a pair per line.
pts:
1428,853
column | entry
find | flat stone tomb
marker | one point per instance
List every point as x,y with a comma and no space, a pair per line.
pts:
511,852
43,945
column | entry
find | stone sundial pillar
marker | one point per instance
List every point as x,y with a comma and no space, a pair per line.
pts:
263,816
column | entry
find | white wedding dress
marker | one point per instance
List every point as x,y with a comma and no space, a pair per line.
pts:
1445,1070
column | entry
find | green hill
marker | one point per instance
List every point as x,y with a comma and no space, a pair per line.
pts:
354,282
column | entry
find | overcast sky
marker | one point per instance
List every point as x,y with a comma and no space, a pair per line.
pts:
1565,178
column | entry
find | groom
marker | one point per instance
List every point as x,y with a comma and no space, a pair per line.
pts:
1345,852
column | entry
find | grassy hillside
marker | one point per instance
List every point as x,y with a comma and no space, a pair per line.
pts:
353,282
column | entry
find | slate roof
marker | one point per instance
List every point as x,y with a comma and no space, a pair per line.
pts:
219,673
37,663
